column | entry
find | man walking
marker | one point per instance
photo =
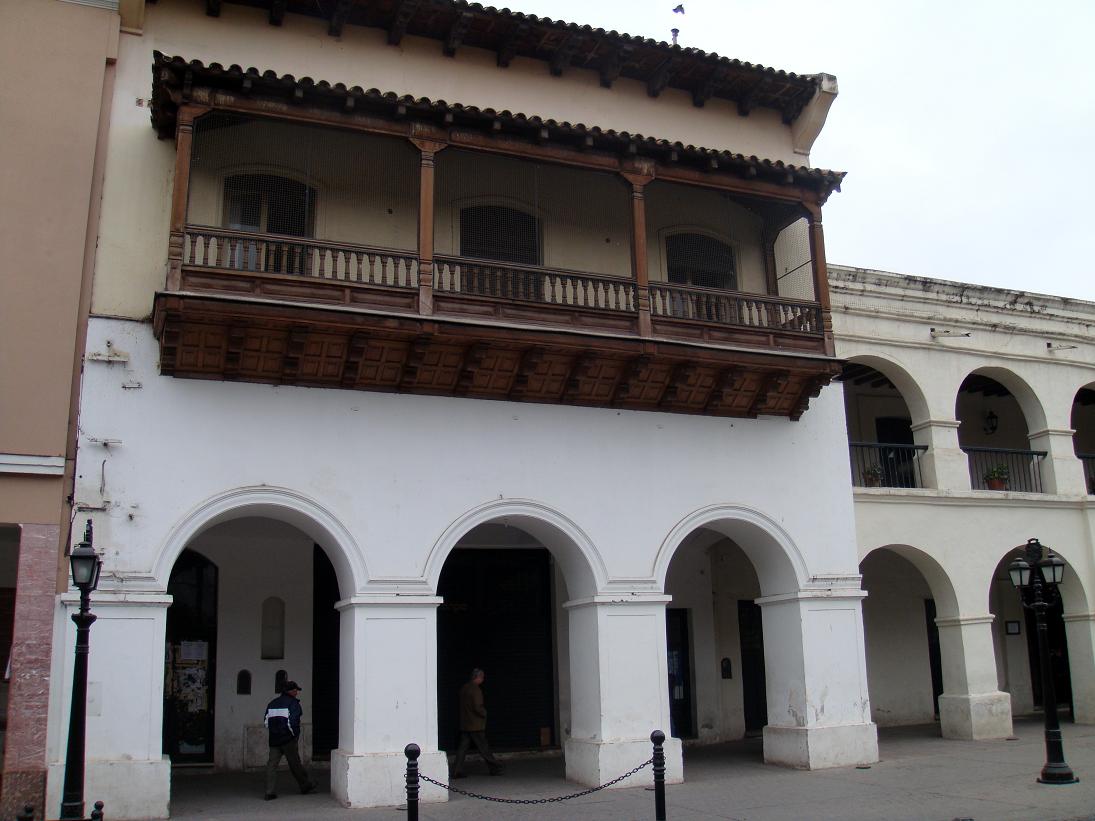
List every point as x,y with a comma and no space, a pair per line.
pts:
473,726
283,722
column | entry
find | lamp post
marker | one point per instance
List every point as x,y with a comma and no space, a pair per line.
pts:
86,565
1042,570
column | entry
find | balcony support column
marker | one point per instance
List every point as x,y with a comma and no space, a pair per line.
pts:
821,275
639,262
184,144
428,149
1062,472
944,465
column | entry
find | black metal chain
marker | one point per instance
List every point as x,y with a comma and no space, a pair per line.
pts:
552,800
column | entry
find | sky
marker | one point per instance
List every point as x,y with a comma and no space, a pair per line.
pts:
967,128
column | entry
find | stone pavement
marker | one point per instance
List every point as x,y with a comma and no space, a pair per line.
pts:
921,777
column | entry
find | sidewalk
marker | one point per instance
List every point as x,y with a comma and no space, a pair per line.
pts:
920,777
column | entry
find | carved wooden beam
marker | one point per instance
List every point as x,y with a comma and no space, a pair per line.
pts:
680,375
473,358
508,50
338,17
530,359
404,11
770,387
661,77
611,64
277,12
294,348
355,352
213,8
810,390
564,54
169,343
707,89
456,33
579,367
416,354
233,352
628,375
749,100
727,382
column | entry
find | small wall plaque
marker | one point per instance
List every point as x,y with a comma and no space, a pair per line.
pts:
1011,628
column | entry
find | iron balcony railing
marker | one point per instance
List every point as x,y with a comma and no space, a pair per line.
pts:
1088,460
879,464
1003,469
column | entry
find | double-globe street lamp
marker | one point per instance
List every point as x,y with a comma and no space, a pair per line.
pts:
1040,570
86,565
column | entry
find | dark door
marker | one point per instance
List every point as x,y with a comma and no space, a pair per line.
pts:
681,722
190,658
935,658
497,615
898,468
754,697
325,644
1058,657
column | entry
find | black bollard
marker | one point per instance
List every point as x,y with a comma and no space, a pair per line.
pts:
658,737
97,813
27,814
412,751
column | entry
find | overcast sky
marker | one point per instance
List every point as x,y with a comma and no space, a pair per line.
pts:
967,128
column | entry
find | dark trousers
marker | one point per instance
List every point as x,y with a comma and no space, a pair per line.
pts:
293,758
479,739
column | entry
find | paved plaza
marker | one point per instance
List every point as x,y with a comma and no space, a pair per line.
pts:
920,776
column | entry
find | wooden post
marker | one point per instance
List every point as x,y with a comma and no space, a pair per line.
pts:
184,144
639,263
821,275
428,149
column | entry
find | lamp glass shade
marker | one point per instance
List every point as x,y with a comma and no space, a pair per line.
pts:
1019,571
85,567
1053,568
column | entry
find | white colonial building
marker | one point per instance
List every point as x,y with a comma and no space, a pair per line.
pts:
427,336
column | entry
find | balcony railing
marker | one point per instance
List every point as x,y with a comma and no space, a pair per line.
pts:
877,464
250,253
1088,460
522,283
734,308
1002,469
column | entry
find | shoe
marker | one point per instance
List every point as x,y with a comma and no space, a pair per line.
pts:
270,796
310,788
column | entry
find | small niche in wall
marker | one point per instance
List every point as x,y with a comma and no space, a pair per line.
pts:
273,628
243,683
280,677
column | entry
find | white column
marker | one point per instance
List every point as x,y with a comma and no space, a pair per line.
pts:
944,465
387,699
1062,472
619,688
1080,638
972,705
125,765
819,712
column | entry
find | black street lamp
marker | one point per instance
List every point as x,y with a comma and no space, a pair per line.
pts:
1042,573
86,565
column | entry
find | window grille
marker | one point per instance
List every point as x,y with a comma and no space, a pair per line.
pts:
500,233
700,260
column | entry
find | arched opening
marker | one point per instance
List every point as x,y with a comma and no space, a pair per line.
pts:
996,410
1083,440
881,441
253,601
904,660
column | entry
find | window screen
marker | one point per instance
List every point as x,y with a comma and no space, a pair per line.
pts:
700,260
499,233
270,204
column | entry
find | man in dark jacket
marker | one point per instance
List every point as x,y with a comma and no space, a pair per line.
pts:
283,722
473,726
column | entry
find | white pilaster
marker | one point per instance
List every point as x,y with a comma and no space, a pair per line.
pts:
944,465
619,690
125,765
1080,637
819,712
387,699
1062,472
972,705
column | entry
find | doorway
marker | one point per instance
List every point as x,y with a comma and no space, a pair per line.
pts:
753,688
678,650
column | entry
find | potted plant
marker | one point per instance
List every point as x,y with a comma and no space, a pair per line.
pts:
996,477
872,475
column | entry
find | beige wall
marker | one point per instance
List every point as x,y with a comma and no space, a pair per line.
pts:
131,261
55,57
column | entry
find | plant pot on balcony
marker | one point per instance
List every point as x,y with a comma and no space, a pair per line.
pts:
996,484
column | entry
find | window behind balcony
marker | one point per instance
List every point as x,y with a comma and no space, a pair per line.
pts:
269,204
701,261
500,233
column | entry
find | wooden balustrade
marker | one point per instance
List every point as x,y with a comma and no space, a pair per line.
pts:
545,286
245,252
734,308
